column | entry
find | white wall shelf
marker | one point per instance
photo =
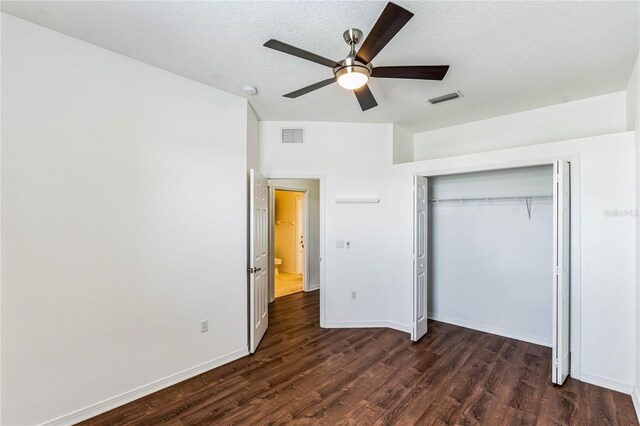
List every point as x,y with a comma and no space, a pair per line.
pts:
357,200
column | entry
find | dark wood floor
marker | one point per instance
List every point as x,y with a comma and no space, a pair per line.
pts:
307,375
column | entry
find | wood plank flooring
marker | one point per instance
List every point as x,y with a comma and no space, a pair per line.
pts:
302,374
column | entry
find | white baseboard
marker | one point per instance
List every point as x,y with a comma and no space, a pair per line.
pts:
124,398
368,324
313,287
537,340
605,382
635,396
400,327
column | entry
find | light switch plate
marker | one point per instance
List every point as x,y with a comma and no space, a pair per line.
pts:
340,244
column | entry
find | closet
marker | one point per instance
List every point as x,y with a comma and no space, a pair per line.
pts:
491,253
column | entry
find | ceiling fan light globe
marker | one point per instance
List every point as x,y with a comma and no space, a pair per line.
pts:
353,80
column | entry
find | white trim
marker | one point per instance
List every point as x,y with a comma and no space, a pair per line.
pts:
635,397
322,182
576,271
369,324
605,382
400,327
536,340
126,397
313,287
482,167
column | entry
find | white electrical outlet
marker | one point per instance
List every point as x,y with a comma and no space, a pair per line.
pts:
340,244
354,295
204,326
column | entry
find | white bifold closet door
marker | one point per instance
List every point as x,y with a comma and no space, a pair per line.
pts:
420,212
561,272
258,259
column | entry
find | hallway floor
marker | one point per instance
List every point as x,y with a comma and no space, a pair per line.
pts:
287,283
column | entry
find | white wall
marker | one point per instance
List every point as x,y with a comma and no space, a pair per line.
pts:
606,247
599,115
402,145
633,118
252,140
313,239
112,232
354,160
505,285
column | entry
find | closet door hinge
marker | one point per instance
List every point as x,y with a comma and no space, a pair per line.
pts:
556,363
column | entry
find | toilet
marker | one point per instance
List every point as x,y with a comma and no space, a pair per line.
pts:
276,261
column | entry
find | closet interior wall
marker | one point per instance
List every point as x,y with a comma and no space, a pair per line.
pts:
491,260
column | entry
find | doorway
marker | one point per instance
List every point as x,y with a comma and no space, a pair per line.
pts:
289,241
295,227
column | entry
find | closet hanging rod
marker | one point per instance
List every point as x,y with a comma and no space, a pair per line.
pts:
512,198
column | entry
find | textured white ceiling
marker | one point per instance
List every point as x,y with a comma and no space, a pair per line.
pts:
505,57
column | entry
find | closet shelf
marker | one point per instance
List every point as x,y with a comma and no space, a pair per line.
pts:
512,198
526,198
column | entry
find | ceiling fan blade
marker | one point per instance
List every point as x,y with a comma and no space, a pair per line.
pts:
295,51
417,72
310,88
392,19
365,98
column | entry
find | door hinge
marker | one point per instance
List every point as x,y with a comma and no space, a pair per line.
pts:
556,363
254,270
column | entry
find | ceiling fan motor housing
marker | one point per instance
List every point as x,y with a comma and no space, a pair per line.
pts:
351,64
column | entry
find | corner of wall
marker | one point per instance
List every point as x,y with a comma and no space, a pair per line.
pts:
403,145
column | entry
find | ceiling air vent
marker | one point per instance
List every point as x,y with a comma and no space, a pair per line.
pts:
444,98
292,135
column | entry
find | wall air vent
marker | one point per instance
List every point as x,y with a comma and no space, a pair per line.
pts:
292,135
444,98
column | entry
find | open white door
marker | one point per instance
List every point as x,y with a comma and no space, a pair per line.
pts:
561,282
258,259
420,204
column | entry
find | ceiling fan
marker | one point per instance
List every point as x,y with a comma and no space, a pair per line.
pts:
354,71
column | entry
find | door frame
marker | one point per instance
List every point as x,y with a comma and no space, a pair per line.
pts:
305,215
305,231
575,274
322,213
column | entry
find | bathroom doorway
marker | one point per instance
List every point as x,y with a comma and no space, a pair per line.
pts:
294,212
289,241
